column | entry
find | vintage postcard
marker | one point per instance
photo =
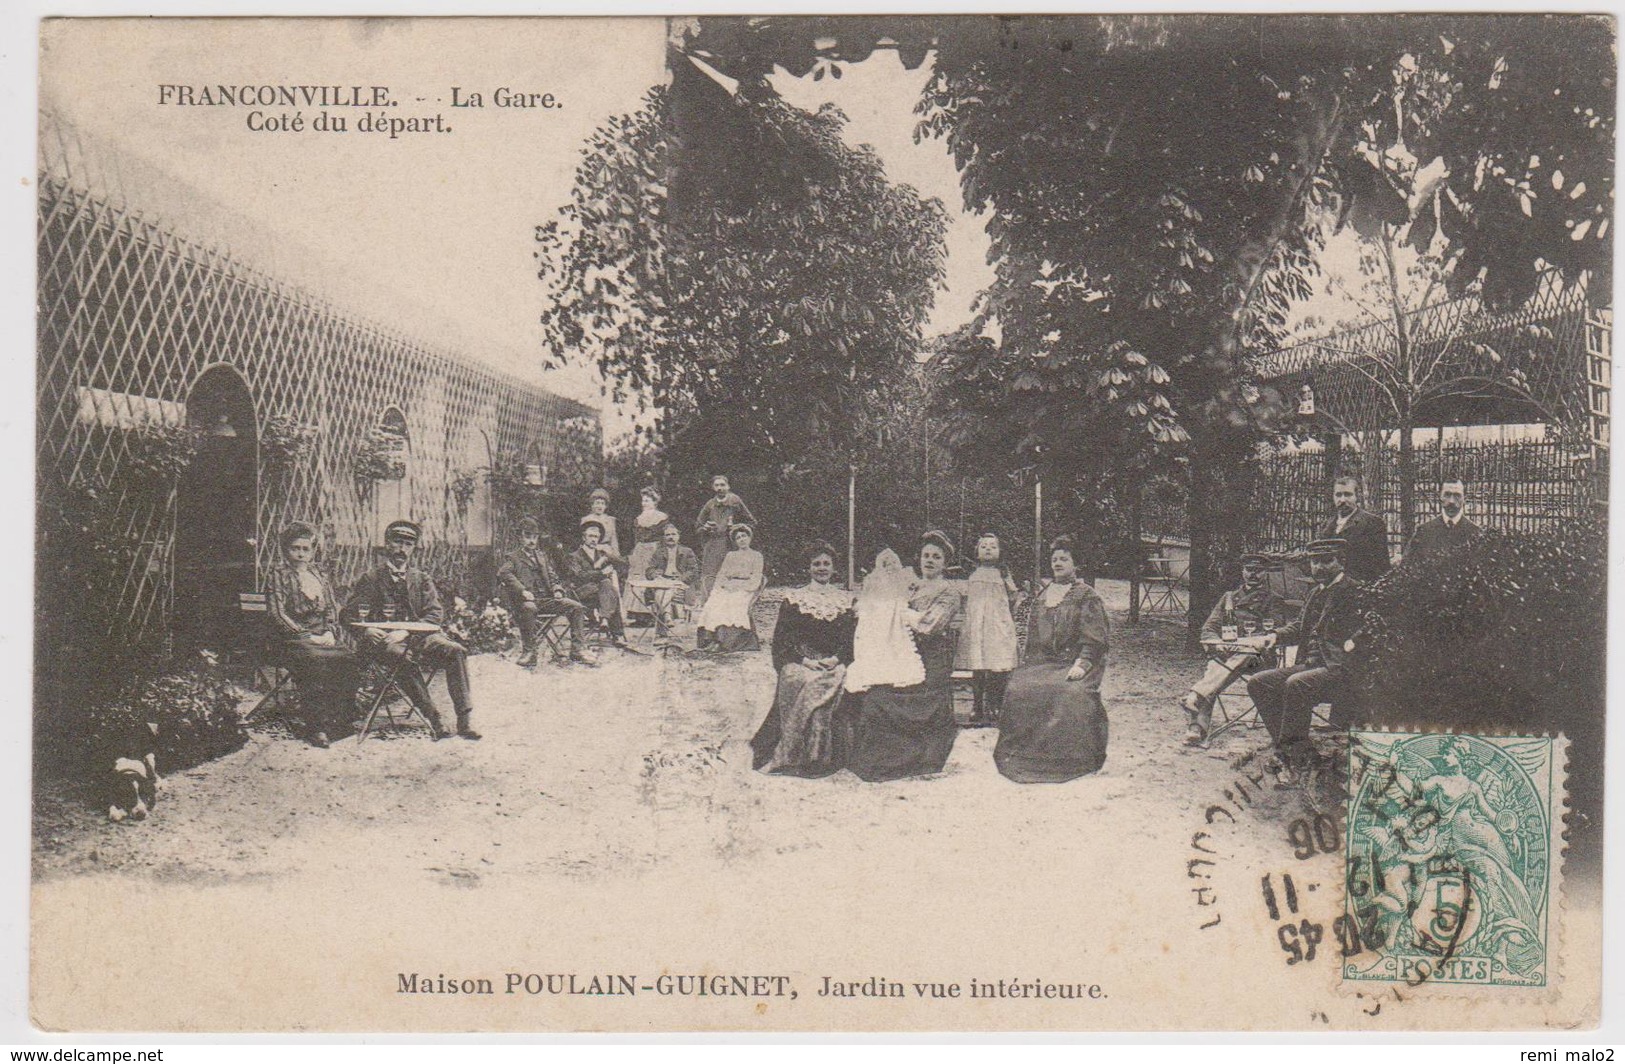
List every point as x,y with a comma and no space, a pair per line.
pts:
1067,523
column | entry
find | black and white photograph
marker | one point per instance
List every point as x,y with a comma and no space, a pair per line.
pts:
821,523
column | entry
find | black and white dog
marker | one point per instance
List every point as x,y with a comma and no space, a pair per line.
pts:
133,781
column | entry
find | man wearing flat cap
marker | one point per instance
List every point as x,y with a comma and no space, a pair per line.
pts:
1246,607
400,589
592,575
534,586
1324,633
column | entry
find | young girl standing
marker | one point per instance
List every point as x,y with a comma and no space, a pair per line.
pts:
987,642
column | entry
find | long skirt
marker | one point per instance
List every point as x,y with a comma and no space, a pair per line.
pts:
326,678
726,638
632,601
805,733
1052,729
903,731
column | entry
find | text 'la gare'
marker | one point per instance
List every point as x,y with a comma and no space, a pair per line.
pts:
506,97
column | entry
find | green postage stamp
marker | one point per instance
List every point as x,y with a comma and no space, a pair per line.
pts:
1454,846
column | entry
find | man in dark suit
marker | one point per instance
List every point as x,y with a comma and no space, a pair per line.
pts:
672,561
1324,632
592,575
409,594
1362,530
533,587
1450,530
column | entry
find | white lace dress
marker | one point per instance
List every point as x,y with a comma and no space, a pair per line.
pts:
883,650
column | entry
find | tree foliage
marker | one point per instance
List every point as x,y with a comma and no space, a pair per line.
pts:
729,263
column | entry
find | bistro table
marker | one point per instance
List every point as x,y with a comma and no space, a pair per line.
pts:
393,682
1222,651
662,627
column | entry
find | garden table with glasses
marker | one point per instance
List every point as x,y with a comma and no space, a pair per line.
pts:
392,682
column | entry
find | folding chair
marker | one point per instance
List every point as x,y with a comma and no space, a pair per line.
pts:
255,607
551,628
1162,593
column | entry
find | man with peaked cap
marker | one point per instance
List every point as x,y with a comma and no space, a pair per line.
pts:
1324,634
411,594
1251,603
534,586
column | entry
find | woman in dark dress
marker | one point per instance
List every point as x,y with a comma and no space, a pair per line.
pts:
909,731
305,614
804,733
1054,725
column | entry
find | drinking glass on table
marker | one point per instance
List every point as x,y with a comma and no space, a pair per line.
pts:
392,612
1249,627
1269,625
363,613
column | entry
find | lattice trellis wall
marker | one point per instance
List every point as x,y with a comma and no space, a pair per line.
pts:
132,313
1546,361
1534,355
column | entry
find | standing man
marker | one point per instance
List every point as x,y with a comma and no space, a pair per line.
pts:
1450,530
723,510
1362,530
410,595
592,578
672,562
1286,696
533,587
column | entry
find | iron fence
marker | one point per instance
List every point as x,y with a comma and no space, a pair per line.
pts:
1529,486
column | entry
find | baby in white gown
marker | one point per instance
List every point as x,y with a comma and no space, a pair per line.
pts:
883,651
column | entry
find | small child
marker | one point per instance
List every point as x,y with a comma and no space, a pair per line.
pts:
987,640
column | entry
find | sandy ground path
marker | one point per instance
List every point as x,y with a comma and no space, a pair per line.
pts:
601,771
610,820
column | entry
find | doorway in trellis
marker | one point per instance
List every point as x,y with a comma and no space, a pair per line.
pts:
392,497
216,505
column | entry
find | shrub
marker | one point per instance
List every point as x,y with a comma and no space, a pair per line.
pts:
1508,634
487,629
195,711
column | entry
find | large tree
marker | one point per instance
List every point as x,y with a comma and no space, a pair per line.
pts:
1157,190
731,264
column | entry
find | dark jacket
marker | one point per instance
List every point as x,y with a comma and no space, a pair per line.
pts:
1435,537
1233,606
294,613
1367,556
584,575
414,594
688,565
523,571
1328,621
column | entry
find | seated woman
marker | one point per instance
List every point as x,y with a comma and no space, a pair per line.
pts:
812,646
305,613
1054,727
724,623
909,730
